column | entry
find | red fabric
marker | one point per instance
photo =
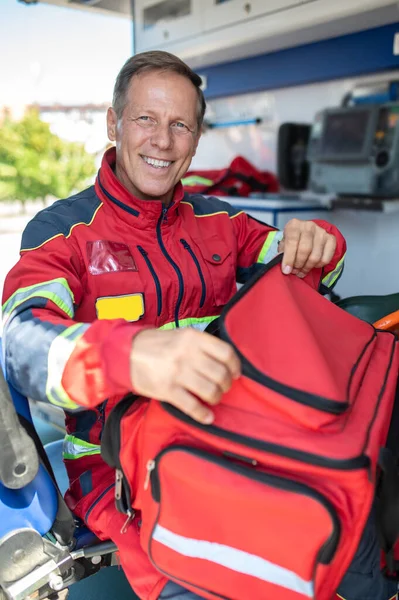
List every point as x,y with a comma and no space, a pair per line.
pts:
240,178
283,471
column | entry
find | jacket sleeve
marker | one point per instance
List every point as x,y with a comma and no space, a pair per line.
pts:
49,355
258,243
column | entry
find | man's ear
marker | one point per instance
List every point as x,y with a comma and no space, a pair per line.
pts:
112,121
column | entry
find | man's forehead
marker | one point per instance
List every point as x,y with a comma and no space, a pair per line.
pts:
161,94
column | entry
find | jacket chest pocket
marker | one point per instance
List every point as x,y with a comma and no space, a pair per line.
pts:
219,265
114,281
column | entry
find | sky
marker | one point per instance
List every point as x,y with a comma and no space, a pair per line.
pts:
50,54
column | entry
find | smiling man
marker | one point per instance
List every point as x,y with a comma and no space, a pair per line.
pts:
156,133
116,285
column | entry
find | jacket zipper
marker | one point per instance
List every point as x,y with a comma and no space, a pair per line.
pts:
325,554
187,247
172,263
357,462
155,277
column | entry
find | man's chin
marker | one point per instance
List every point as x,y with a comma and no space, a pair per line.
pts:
156,193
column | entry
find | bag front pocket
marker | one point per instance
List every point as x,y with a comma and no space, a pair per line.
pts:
233,531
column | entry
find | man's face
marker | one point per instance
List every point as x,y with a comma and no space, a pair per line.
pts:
157,135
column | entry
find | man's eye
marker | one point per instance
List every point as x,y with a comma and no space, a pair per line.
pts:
181,127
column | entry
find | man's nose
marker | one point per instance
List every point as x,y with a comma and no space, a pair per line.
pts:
162,137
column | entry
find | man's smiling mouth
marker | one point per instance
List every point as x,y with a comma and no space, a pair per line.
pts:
154,162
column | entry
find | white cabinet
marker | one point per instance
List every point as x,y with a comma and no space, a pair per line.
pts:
221,13
161,22
206,32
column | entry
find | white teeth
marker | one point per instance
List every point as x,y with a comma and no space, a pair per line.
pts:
157,163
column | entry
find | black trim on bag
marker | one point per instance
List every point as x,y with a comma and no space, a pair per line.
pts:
111,438
355,366
248,369
348,464
382,390
326,552
111,446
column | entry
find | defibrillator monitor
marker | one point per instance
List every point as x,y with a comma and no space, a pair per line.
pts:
355,151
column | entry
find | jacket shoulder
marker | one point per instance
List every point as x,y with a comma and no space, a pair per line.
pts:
60,218
209,206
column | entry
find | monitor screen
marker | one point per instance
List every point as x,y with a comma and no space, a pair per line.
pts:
344,132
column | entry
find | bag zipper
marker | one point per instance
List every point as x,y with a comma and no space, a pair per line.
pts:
326,553
187,247
155,277
348,464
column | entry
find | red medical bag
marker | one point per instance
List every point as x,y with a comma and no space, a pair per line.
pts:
239,179
270,501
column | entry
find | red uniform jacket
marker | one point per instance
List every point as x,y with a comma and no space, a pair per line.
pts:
97,268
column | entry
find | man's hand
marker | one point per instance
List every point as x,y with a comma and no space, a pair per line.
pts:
305,246
186,368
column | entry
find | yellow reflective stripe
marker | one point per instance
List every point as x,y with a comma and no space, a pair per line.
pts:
61,234
74,448
200,323
60,350
196,180
40,245
332,277
270,247
56,290
220,212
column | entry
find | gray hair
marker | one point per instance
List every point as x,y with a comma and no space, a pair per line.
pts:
155,60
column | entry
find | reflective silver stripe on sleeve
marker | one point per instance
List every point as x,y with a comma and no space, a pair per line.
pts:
56,290
234,559
60,350
270,247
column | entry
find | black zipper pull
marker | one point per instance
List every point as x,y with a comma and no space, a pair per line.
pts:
164,214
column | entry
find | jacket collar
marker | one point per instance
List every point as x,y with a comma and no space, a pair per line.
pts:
140,213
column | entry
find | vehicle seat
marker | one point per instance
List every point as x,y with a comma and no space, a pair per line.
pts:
370,308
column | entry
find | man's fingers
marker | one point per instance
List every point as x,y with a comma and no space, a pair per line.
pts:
292,235
215,371
304,249
222,352
329,250
206,390
191,406
315,256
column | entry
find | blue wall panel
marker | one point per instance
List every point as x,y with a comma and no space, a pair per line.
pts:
359,53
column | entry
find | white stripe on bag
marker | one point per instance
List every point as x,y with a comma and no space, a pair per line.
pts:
234,559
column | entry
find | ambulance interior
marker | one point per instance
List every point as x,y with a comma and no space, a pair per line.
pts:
305,89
